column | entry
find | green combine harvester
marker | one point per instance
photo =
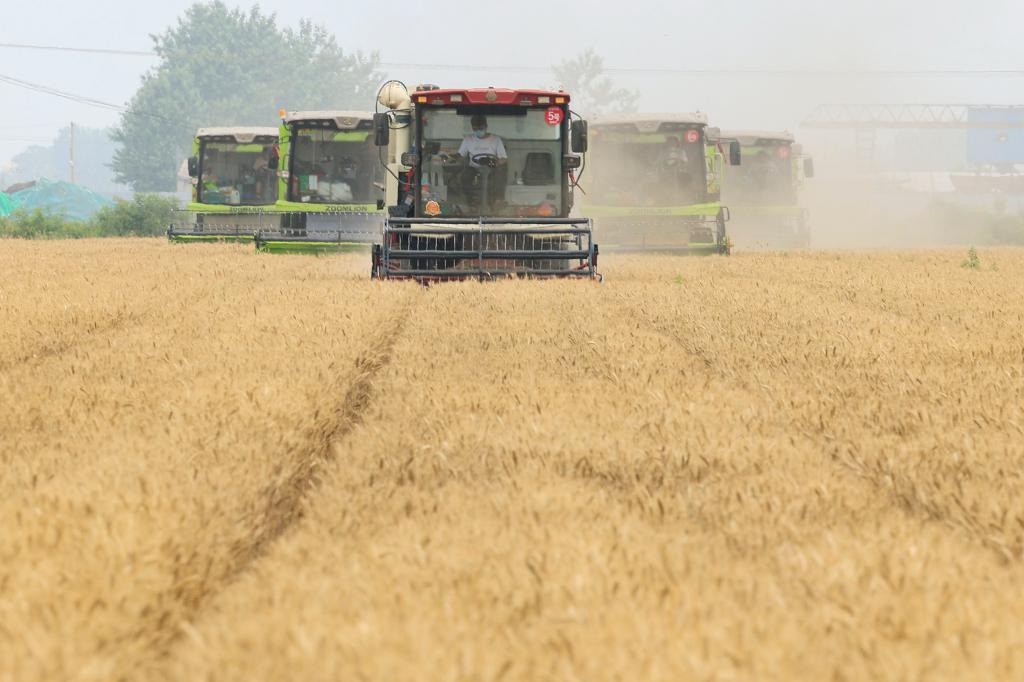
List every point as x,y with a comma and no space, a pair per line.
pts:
331,190
655,183
764,193
234,186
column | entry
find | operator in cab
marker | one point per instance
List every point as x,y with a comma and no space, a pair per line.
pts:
482,142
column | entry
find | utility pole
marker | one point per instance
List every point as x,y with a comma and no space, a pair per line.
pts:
71,163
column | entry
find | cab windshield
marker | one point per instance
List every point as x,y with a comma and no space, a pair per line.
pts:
237,174
333,166
766,175
491,161
661,168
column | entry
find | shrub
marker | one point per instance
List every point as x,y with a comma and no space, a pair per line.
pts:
145,215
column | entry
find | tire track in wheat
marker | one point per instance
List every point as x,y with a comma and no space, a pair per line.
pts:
279,506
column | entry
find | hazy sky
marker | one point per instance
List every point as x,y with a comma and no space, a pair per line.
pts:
743,34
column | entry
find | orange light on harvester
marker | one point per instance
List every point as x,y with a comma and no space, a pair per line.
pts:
421,100
432,208
559,100
281,113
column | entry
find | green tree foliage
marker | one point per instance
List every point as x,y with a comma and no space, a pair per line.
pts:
144,215
592,92
222,66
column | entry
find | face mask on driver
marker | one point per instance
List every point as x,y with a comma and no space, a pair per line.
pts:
480,133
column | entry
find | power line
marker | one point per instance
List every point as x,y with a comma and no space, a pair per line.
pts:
632,71
47,90
87,50
641,71
79,99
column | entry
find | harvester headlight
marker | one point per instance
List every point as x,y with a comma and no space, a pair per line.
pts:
456,98
543,100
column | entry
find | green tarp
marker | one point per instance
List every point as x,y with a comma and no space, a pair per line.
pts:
73,202
7,205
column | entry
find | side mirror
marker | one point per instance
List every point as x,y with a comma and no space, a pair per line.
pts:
381,129
579,138
808,167
193,166
735,155
571,162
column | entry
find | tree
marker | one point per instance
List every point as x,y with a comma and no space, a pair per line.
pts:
93,154
222,66
593,93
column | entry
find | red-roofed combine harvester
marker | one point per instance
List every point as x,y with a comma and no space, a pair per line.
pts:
452,215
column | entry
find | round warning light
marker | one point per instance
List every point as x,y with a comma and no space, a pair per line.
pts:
784,152
432,208
692,136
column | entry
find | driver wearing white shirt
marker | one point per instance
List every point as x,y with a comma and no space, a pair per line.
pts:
482,142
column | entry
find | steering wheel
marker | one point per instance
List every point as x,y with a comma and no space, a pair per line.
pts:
485,160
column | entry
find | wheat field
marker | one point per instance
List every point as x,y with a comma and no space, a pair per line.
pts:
217,465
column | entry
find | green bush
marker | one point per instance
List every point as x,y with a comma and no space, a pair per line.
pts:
988,226
145,215
39,225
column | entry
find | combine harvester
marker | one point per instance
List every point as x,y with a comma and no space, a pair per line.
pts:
480,185
234,185
331,190
655,183
764,193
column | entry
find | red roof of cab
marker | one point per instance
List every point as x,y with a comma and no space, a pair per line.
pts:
479,95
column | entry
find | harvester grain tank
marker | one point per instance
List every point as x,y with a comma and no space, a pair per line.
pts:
654,182
763,194
331,190
234,185
480,184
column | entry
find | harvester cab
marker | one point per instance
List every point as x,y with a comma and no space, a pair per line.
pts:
330,184
764,193
234,185
655,184
480,185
